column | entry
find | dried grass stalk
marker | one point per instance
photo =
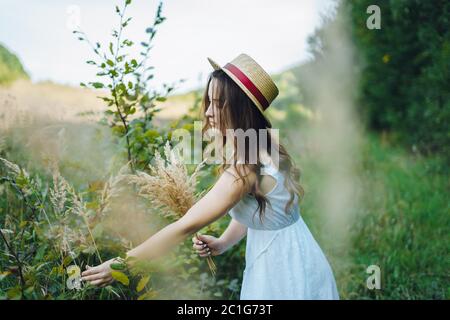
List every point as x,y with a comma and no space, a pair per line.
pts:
169,187
112,189
13,168
66,200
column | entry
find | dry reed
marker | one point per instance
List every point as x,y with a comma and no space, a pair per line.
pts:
170,188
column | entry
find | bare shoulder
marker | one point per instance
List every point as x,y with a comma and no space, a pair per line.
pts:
232,174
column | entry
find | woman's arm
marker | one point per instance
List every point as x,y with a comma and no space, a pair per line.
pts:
224,195
206,245
233,234
216,203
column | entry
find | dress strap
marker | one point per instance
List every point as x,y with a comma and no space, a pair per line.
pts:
269,169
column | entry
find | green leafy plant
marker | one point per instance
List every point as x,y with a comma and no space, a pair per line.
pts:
127,80
51,229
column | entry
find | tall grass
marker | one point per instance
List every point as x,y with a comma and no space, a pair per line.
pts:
401,224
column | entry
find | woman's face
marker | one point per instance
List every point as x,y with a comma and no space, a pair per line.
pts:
212,112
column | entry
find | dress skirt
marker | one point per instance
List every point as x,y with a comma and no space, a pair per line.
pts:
286,264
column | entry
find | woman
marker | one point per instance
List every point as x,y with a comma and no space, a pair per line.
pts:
283,260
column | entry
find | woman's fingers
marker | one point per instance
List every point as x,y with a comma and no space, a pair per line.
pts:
93,277
204,251
202,248
203,255
101,280
90,271
195,240
199,246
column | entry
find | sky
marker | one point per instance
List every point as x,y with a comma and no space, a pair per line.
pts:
274,33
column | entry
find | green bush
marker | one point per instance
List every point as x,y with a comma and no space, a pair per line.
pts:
405,70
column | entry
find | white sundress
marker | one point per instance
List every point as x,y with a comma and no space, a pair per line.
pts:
282,259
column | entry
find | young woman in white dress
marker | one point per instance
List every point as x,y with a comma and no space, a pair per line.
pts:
283,260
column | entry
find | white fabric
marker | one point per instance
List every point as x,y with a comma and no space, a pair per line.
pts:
283,260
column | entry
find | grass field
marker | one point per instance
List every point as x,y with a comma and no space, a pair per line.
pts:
399,219
401,224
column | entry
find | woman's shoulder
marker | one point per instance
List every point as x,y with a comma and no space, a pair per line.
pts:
245,172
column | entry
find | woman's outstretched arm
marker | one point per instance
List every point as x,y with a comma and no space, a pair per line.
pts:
224,195
215,204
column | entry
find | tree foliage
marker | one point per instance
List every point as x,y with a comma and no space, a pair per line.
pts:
405,70
10,67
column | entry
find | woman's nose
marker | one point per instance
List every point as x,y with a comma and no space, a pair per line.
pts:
209,112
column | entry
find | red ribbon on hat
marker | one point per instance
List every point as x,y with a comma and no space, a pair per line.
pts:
248,84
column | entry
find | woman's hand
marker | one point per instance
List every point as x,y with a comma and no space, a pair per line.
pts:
100,275
208,245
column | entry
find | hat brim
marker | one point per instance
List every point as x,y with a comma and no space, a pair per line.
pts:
216,66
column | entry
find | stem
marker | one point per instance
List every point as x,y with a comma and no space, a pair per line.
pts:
19,263
116,102
125,124
92,237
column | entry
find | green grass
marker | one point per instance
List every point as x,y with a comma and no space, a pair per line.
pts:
401,225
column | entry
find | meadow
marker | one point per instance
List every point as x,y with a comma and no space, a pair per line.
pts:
373,197
398,216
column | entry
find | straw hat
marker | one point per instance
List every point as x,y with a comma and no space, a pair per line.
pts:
252,79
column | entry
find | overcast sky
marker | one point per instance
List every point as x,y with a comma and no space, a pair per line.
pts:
273,32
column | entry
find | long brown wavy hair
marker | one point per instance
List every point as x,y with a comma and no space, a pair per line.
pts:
238,111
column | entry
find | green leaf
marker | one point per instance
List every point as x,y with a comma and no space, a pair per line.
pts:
14,293
121,277
117,266
67,260
142,283
110,62
148,295
127,2
98,85
142,296
40,252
